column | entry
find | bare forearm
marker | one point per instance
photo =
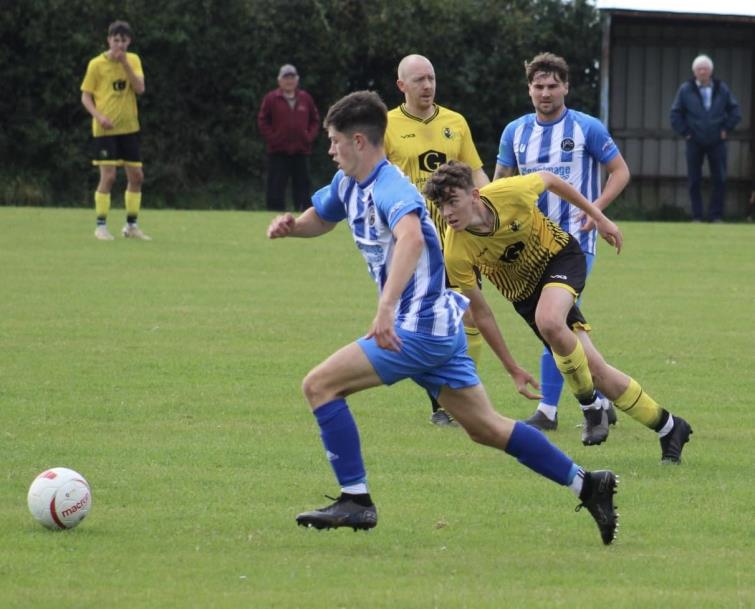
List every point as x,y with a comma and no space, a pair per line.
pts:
501,171
137,82
88,102
403,264
618,178
486,323
480,178
310,224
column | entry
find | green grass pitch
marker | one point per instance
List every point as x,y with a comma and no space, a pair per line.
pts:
168,373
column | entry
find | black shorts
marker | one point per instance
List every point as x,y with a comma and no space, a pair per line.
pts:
567,268
117,150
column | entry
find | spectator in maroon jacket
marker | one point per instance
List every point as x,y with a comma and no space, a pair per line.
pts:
289,122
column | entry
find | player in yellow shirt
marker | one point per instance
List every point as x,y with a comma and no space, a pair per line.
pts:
541,269
113,80
421,136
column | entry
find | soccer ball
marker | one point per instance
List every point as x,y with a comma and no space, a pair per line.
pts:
59,498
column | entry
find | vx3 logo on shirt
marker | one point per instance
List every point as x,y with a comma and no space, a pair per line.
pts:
403,137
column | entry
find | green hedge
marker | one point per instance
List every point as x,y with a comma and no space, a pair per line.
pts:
209,62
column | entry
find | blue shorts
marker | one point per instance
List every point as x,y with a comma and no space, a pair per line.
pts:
430,361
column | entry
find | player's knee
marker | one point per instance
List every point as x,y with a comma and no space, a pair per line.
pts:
315,388
309,386
107,179
549,326
135,179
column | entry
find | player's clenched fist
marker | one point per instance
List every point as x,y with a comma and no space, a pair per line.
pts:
281,226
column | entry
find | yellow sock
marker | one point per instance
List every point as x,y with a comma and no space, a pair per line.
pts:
133,204
576,372
101,204
474,343
639,405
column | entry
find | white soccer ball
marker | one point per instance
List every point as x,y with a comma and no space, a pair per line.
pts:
59,498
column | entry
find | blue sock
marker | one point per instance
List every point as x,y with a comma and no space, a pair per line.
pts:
533,449
340,436
551,381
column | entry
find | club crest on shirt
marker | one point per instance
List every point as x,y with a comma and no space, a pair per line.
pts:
447,133
371,215
515,226
567,144
511,253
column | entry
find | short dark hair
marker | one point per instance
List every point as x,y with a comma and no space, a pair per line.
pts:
448,176
362,111
119,27
547,63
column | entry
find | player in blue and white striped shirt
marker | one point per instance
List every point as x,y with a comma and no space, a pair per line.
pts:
571,145
417,332
372,209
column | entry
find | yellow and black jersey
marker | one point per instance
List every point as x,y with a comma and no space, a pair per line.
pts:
113,95
514,254
419,146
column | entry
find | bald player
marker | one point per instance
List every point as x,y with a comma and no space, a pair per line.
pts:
421,136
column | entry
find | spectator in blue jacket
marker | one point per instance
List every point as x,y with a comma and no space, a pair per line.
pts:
703,112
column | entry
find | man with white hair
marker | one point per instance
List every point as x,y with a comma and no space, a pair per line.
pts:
703,112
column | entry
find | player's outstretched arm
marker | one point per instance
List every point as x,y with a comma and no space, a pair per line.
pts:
607,229
486,323
308,224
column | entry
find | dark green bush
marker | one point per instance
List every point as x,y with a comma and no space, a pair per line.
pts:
209,62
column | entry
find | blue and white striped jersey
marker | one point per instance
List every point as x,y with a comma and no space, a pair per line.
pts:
572,147
372,208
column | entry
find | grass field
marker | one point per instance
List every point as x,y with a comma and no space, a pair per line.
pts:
168,374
